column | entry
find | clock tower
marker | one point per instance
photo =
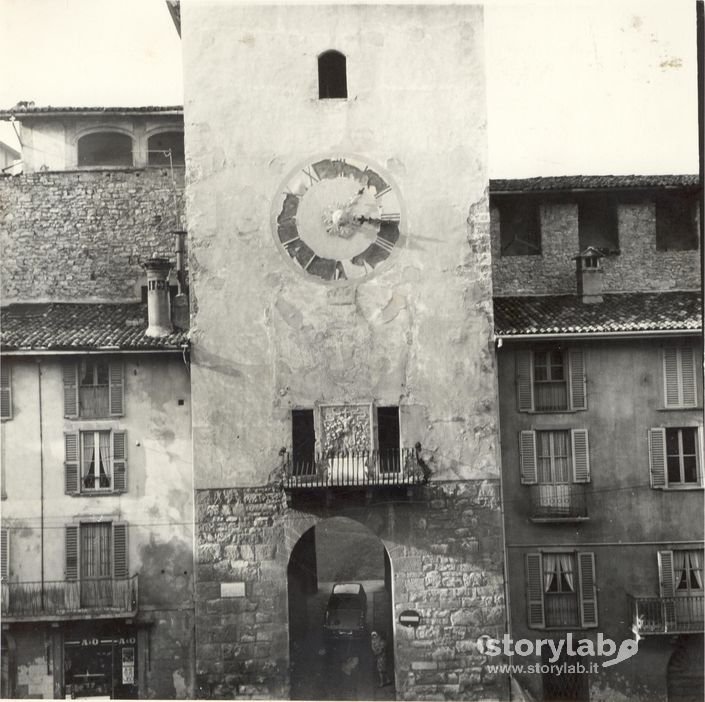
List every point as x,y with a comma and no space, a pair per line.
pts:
343,380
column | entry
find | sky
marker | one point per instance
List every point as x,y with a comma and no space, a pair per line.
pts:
574,87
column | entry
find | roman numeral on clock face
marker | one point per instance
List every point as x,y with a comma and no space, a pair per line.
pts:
388,246
313,178
390,217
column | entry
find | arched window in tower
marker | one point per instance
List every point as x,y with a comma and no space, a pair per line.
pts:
332,79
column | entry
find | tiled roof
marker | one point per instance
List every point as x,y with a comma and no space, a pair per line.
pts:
618,313
30,109
87,326
591,182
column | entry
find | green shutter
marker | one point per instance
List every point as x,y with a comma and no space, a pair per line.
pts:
5,391
657,457
71,542
70,373
71,463
534,591
120,550
588,589
581,455
119,461
527,457
117,389
525,395
578,393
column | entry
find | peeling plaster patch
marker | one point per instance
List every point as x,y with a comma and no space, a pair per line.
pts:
392,309
395,166
180,690
277,165
247,39
213,362
164,434
290,313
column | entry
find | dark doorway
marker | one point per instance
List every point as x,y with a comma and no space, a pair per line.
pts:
327,661
388,439
303,437
684,676
568,685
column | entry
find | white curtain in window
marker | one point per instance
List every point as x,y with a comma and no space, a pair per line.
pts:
104,439
696,568
680,570
544,457
550,569
560,448
566,563
88,459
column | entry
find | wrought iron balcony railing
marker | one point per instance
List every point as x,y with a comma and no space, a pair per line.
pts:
556,503
70,599
667,615
356,468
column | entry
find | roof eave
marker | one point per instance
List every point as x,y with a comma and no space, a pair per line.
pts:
586,336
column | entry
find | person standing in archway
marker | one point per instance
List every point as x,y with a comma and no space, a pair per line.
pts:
379,650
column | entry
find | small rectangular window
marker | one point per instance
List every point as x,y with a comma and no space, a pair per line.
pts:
388,439
551,380
597,222
519,226
676,224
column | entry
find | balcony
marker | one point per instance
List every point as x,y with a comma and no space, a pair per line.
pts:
394,467
667,615
104,598
558,503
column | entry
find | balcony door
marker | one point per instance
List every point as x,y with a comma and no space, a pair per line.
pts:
688,572
553,463
96,570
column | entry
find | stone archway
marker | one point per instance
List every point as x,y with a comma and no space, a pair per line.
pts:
325,665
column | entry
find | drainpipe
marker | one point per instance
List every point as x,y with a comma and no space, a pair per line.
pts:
41,480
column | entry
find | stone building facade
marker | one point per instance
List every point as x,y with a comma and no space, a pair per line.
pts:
320,341
97,519
600,381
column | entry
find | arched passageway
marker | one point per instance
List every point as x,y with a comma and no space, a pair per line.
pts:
340,591
684,676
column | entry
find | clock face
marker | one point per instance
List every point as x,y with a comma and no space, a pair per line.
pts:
337,219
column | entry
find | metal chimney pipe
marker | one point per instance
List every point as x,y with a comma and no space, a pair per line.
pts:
158,303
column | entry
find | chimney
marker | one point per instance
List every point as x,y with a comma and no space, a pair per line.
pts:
588,268
158,304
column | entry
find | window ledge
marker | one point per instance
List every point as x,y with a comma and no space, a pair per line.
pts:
679,488
565,411
686,408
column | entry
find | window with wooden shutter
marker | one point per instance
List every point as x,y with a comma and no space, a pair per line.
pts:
667,587
117,389
5,391
524,382
588,589
120,566
674,457
679,378
71,403
71,472
581,456
71,551
551,380
120,461
534,591
578,392
4,554
527,457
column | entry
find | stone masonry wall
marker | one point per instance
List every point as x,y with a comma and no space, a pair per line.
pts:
444,544
637,267
82,235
